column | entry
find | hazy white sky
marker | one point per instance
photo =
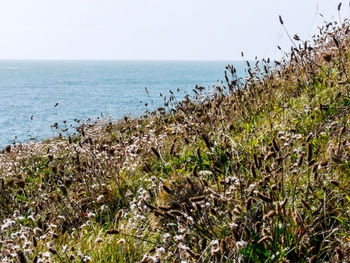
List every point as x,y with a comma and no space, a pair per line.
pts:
155,29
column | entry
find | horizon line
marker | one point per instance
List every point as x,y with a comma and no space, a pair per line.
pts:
93,59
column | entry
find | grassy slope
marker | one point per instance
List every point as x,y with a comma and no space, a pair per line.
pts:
257,171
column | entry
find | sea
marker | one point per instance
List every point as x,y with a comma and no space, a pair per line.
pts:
34,95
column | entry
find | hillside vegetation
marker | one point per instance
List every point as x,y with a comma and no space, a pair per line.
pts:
251,170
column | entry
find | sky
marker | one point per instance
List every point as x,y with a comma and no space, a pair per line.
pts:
156,29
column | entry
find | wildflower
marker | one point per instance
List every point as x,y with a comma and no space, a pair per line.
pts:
133,207
148,259
183,247
52,226
251,187
166,237
233,225
160,250
241,244
182,228
27,244
46,254
16,213
140,217
43,237
104,208
179,238
153,179
98,240
203,173
121,241
14,235
37,230
61,217
27,252
7,223
100,198
214,247
86,259
190,219
64,248
91,215
280,133
231,189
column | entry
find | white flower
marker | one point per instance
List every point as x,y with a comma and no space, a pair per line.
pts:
64,248
179,238
205,173
6,223
182,228
160,250
251,187
91,215
214,243
27,244
183,247
98,240
16,213
166,236
232,225
121,241
241,244
190,219
14,235
52,226
148,258
27,252
214,247
46,254
37,230
86,258
100,198
104,208
43,237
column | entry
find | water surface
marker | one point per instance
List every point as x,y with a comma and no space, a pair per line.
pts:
85,89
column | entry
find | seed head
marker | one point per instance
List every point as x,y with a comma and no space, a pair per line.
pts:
281,21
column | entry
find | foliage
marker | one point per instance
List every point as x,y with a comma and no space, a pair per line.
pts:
253,170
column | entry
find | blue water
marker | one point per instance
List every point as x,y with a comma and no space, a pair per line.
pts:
85,89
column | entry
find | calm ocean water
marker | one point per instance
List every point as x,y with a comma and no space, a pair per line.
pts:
85,89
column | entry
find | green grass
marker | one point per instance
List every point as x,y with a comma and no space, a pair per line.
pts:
259,171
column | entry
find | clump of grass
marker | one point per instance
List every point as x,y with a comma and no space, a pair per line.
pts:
253,170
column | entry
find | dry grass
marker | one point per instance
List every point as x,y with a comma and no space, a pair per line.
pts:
255,171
